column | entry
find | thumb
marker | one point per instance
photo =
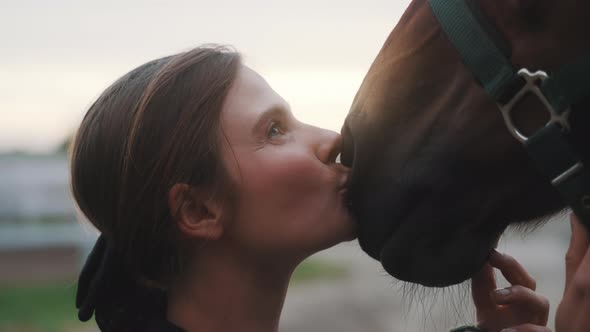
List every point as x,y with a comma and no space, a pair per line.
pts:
579,243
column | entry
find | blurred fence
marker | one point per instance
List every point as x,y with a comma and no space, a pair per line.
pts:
40,238
54,252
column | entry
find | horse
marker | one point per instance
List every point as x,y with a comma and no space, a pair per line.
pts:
454,135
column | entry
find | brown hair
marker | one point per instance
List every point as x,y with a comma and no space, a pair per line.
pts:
154,127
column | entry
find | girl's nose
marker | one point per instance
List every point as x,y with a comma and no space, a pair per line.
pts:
328,146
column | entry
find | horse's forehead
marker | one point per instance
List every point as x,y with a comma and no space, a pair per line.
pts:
412,70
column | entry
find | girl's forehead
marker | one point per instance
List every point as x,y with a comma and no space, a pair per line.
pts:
249,97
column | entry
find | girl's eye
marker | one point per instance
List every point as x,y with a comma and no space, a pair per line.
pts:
274,131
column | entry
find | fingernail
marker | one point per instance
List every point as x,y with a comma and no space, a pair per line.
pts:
503,291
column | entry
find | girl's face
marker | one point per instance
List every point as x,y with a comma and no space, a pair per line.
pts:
291,196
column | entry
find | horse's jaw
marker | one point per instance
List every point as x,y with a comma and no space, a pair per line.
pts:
417,236
423,259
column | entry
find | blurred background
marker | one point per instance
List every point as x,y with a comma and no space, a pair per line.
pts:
58,56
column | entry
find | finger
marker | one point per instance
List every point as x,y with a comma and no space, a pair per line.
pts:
576,320
572,313
578,247
581,278
482,284
512,270
583,319
520,296
527,328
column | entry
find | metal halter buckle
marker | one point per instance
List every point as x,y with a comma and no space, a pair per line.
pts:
531,86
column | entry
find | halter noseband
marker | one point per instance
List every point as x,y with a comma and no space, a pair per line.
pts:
549,147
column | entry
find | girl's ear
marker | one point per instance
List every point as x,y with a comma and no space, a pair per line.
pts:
196,212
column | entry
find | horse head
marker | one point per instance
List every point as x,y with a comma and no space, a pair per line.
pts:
437,177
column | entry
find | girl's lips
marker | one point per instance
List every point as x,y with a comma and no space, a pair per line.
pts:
344,181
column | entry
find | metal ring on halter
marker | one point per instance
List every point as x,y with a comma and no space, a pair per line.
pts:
532,86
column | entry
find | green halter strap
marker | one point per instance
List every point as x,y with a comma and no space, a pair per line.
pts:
549,147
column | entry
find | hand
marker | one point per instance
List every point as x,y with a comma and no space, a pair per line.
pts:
516,308
573,313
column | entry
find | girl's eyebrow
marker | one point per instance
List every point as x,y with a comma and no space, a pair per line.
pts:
275,111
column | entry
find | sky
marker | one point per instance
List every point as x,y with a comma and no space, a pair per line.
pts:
57,56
